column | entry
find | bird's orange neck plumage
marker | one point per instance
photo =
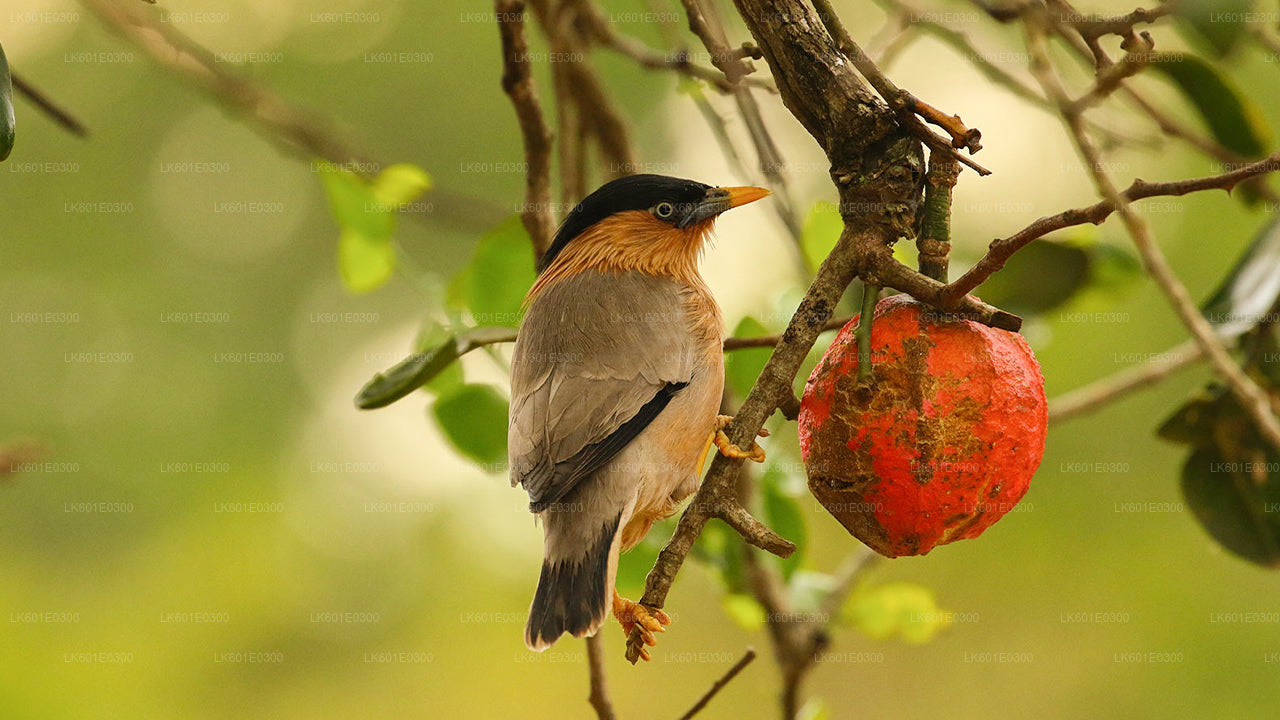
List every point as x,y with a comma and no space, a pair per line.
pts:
630,241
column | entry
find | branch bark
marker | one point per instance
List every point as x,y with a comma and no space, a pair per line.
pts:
517,82
599,696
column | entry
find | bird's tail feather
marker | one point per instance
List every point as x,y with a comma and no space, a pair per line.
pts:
572,596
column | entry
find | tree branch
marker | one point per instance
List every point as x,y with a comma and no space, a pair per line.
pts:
517,82
648,57
1107,390
48,106
904,103
736,70
1002,249
295,130
599,696
716,687
1253,398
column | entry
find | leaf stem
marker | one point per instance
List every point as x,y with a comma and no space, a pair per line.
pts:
870,293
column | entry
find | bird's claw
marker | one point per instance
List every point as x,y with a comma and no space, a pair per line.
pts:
640,623
729,449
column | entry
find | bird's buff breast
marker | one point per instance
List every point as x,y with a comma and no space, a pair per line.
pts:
666,455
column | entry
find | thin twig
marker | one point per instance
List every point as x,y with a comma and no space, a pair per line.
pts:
648,57
961,43
736,69
733,343
517,82
295,130
1094,25
55,112
599,696
1252,397
1001,250
16,456
1107,390
729,675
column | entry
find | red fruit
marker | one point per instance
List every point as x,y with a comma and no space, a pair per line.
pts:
939,445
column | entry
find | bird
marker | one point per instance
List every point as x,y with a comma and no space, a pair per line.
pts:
616,382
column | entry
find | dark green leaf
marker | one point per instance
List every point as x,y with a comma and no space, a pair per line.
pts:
1251,288
782,514
418,369
1040,276
451,376
474,419
1236,501
1218,23
1265,357
742,367
500,273
1193,423
7,120
1233,118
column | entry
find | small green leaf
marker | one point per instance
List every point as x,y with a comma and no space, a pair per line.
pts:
1234,501
1233,118
400,184
782,514
500,274
1249,291
353,203
1218,23
7,120
474,419
742,367
366,257
365,263
418,369
814,709
897,608
744,610
451,376
821,230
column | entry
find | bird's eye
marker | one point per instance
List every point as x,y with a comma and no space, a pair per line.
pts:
663,209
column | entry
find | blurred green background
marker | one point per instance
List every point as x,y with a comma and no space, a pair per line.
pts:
216,531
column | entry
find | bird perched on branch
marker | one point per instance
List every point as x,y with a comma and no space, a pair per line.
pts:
616,381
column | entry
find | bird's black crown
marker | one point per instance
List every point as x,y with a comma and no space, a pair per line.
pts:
633,192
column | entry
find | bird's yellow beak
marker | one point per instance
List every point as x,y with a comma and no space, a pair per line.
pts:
720,199
745,194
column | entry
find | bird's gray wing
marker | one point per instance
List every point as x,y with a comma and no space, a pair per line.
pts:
598,357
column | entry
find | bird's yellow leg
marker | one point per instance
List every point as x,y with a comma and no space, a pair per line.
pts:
636,618
728,449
